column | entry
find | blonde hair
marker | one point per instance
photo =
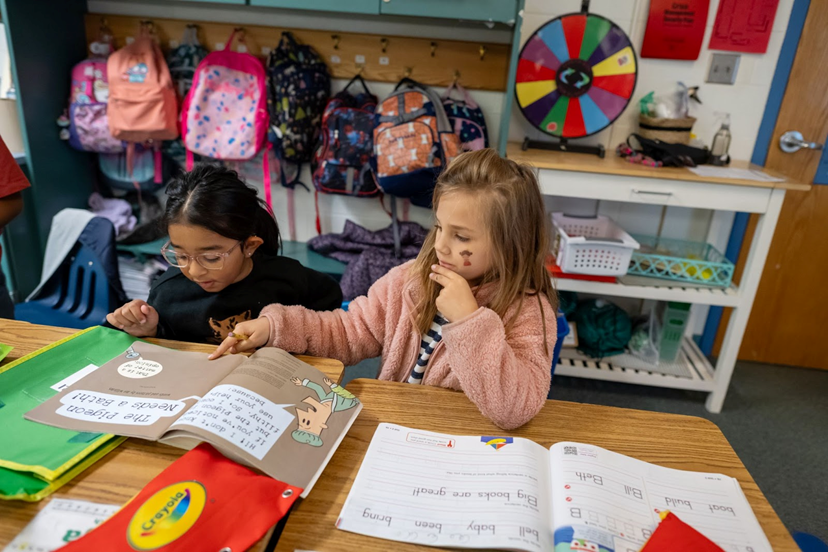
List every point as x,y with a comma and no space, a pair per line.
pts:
516,222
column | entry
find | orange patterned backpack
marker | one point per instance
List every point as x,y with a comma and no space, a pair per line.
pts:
413,141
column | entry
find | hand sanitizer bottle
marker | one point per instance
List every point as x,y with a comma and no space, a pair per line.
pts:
721,144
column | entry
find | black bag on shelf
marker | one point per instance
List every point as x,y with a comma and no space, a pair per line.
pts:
671,155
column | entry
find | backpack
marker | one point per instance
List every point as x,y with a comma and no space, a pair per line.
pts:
184,60
342,161
88,122
413,141
224,114
299,85
142,105
466,119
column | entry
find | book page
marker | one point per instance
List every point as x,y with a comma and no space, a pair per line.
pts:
603,501
61,521
139,393
275,413
442,490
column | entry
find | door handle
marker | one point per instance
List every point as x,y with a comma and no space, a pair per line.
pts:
792,141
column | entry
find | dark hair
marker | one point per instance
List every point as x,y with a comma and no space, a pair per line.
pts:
215,198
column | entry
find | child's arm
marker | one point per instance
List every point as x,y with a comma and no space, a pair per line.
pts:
349,336
506,375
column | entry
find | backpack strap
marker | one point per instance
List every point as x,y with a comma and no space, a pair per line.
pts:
189,159
395,228
266,175
316,204
158,166
291,207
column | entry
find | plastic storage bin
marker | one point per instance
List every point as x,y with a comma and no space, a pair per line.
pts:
591,245
682,261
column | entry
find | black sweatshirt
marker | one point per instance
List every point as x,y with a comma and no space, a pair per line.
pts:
188,313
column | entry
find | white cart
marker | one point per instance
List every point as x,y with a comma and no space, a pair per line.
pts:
571,175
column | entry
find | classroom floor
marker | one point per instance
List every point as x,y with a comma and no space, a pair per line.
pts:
776,419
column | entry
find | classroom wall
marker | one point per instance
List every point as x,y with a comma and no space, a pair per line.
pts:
745,100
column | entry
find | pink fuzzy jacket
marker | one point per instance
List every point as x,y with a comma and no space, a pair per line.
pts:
506,375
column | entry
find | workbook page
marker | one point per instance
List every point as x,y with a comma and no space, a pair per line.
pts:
607,502
442,490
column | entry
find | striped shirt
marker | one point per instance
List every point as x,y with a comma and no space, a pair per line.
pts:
430,340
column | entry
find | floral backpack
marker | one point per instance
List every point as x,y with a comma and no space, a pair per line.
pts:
466,119
224,114
88,122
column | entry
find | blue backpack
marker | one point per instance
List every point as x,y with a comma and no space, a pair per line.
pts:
342,161
299,85
466,119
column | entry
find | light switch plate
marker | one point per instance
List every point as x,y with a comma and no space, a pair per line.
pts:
723,68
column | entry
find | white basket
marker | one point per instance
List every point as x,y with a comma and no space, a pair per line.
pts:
591,245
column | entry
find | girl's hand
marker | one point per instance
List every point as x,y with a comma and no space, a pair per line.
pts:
456,300
136,318
257,332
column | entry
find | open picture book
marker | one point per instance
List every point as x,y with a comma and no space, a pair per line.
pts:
270,411
513,494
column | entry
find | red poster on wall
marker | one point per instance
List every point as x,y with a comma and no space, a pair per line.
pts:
743,25
675,29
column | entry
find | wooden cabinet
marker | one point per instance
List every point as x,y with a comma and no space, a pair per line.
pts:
348,6
501,11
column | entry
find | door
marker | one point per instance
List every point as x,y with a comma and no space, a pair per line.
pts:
790,313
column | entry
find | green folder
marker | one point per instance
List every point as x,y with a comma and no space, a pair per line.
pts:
5,350
36,459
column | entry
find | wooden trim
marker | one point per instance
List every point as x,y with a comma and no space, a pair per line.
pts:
402,53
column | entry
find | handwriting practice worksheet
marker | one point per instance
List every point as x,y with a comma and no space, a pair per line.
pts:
511,493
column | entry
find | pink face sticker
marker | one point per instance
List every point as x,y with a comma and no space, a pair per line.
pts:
466,254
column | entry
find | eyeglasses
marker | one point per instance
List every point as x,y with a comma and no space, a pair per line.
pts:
210,261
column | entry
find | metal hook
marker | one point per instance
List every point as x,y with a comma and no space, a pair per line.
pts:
242,33
433,48
335,39
408,71
456,77
384,44
482,52
360,68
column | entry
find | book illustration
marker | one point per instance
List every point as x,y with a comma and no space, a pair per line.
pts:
221,328
313,420
496,443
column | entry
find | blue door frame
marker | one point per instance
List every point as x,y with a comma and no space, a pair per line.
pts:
760,151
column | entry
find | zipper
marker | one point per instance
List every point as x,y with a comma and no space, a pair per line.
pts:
431,359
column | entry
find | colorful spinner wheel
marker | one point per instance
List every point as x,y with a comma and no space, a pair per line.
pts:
575,75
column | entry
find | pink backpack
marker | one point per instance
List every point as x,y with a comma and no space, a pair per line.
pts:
88,122
142,104
225,112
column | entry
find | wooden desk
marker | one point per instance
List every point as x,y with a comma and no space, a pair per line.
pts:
681,442
126,470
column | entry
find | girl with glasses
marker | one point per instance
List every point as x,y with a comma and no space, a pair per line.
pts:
225,264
